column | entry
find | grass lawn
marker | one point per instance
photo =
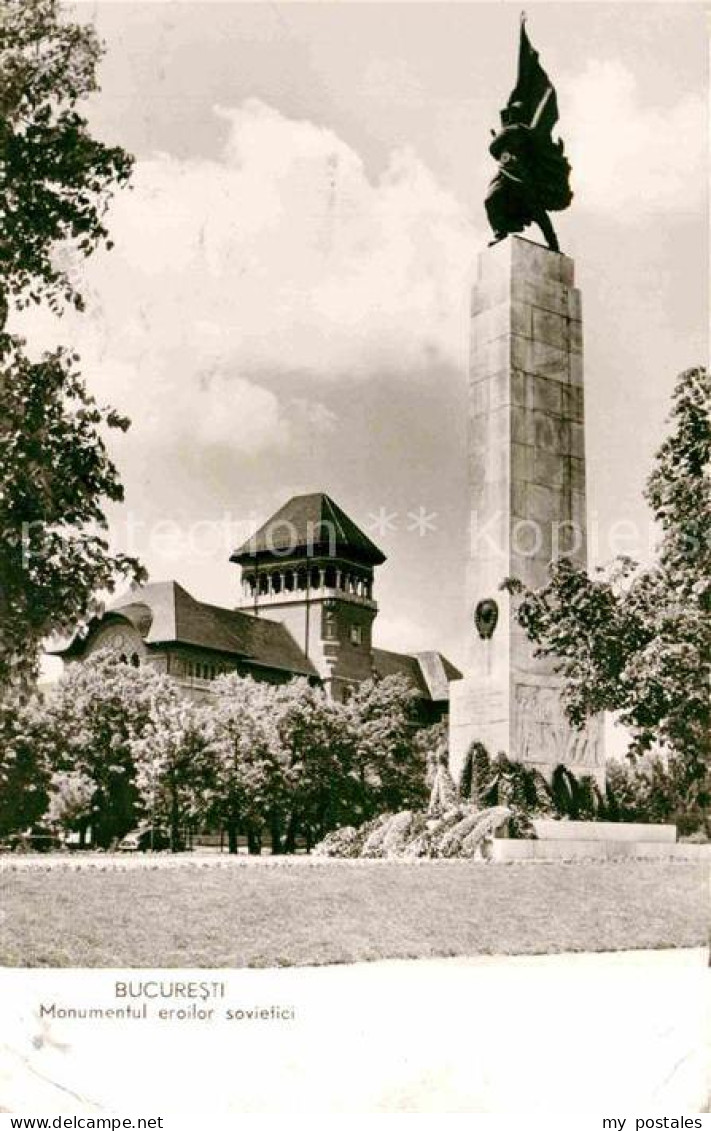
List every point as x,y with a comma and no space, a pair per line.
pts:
256,916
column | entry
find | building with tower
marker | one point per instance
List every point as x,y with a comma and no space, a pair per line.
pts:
306,609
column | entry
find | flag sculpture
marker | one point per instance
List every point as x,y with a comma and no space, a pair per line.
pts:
534,173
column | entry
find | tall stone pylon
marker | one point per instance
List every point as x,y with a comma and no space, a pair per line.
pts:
526,483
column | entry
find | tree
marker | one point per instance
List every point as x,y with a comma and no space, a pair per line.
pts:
56,180
475,773
317,754
283,758
391,761
98,712
288,760
24,765
653,789
71,794
173,770
638,641
246,772
55,185
56,472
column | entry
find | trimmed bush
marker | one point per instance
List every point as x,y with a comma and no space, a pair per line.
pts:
411,834
346,842
375,833
483,831
403,828
451,843
445,823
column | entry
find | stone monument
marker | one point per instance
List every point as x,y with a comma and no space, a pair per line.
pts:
526,445
526,480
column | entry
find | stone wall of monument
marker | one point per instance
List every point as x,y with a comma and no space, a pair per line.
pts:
526,476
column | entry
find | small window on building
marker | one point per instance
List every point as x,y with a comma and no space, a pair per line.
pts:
135,660
356,634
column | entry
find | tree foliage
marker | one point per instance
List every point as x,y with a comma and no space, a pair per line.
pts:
91,725
25,767
638,641
655,789
56,180
114,744
71,795
55,472
248,783
292,763
173,770
494,782
391,756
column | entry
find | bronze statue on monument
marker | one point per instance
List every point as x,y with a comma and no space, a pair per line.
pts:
534,173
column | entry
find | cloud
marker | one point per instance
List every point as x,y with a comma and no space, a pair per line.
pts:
630,160
229,277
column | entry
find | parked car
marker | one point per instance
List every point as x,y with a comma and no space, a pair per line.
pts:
145,838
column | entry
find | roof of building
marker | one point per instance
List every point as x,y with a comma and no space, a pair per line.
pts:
309,522
430,672
438,673
165,613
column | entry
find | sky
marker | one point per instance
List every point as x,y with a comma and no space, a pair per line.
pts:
285,307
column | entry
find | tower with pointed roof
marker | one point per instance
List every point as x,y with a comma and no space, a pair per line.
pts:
307,611
310,567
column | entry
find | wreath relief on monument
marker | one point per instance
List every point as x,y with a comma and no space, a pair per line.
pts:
544,733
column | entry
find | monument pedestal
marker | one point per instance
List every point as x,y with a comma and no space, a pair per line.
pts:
526,480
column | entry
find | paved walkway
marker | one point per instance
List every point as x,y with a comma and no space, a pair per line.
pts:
591,1032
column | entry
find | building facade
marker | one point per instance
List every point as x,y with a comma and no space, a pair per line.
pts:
307,609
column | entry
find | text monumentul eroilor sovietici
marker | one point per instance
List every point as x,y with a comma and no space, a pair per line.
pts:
192,996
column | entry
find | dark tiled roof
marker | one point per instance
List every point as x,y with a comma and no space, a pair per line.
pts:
165,613
437,673
264,642
396,663
429,672
314,522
